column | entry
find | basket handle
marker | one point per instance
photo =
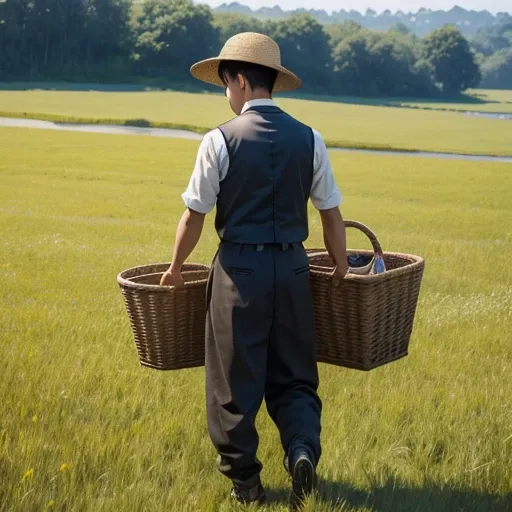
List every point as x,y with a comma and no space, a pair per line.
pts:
377,249
368,232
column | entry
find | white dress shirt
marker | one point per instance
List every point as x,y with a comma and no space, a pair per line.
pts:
212,164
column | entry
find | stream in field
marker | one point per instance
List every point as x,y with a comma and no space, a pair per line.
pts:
184,134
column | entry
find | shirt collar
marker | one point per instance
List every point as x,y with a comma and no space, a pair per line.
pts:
258,103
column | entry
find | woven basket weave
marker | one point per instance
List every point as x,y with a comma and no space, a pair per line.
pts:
364,321
168,323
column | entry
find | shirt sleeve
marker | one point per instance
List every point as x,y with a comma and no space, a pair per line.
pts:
209,170
325,193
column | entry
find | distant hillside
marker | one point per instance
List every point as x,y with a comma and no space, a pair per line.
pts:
421,22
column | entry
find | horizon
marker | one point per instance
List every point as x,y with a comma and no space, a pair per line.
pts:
493,6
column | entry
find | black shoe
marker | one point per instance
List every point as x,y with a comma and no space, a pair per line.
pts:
247,495
303,479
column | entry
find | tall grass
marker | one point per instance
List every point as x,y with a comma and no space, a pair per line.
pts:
84,427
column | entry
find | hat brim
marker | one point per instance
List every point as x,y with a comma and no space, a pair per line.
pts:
208,71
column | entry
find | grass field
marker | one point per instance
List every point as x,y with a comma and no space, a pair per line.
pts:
481,100
83,427
341,124
474,100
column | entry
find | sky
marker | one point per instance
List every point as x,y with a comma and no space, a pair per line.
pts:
493,6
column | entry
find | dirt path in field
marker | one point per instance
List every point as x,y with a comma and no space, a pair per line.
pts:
184,134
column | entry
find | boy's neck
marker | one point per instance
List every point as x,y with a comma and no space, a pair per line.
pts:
258,94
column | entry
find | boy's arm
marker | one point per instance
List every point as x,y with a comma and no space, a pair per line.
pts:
200,198
327,198
335,239
188,234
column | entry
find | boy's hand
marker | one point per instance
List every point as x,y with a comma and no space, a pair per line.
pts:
172,279
340,271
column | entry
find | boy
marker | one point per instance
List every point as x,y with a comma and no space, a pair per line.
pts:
259,171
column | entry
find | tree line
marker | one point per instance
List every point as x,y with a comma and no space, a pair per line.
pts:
420,22
493,48
126,40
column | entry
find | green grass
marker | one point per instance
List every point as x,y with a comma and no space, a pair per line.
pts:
480,100
84,427
484,100
348,125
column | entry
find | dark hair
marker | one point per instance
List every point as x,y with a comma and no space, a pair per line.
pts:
255,74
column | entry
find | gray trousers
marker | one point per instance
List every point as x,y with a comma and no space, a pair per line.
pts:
260,343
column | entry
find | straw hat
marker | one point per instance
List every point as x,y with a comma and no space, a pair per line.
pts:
247,47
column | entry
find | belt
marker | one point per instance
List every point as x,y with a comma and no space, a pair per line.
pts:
260,247
283,247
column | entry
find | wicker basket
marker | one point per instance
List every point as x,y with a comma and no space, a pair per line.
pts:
364,321
168,323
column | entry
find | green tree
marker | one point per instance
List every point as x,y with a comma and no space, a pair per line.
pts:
352,66
401,28
12,40
493,38
376,64
229,24
453,64
305,49
172,35
116,39
392,63
340,31
497,70
109,37
61,38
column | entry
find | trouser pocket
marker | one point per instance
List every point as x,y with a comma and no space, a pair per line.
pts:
301,270
241,271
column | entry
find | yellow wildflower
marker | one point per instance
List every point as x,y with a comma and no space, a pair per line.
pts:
28,474
51,503
65,467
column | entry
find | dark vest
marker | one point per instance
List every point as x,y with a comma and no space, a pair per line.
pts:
264,196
